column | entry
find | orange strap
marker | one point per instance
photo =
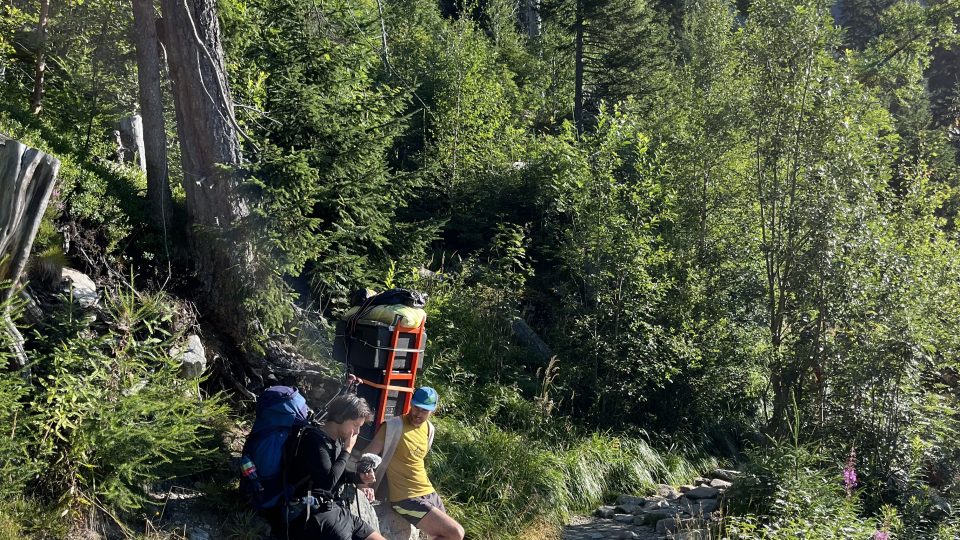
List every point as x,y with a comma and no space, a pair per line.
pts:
386,386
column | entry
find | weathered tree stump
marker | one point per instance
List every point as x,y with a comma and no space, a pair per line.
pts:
27,177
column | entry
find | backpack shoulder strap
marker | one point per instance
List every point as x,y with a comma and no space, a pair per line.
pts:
393,431
291,450
431,431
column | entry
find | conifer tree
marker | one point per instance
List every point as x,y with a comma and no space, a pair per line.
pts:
327,125
620,49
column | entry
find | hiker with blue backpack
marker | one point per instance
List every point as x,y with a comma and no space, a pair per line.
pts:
294,469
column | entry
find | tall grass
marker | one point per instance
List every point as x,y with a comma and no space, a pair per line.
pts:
499,483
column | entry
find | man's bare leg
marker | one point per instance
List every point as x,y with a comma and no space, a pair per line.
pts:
440,526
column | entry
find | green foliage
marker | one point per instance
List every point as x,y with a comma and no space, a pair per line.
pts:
515,481
17,466
474,309
13,19
105,413
465,116
97,196
245,526
759,211
607,207
627,52
329,200
791,491
110,412
22,517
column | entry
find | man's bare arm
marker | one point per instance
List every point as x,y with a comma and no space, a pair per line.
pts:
375,446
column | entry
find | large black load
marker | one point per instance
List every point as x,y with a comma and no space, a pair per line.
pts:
382,338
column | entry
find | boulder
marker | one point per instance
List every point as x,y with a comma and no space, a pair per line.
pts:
393,526
360,506
198,534
724,474
626,508
605,512
79,287
629,499
623,518
720,484
685,488
655,503
699,507
192,357
667,492
701,481
939,507
702,492
674,525
656,516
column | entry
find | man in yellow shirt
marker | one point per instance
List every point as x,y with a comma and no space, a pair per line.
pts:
404,442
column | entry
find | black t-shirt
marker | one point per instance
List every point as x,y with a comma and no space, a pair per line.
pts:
318,463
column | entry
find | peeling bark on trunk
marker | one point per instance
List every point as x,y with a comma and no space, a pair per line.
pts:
27,177
151,109
210,154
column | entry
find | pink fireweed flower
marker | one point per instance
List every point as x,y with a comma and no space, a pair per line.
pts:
881,535
850,474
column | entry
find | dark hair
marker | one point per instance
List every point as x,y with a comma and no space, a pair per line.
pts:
347,407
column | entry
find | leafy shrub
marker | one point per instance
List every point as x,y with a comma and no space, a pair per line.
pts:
110,411
105,413
791,491
16,463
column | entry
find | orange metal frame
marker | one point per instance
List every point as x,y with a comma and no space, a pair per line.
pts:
407,378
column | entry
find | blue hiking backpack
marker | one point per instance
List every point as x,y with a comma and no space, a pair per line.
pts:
281,411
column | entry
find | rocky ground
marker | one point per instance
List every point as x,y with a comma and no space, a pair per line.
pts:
594,528
682,513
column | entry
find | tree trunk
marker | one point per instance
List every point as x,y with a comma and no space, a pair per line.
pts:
383,38
40,67
151,108
131,135
27,177
578,68
532,18
210,155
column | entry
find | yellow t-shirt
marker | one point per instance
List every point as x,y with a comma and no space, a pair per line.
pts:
406,473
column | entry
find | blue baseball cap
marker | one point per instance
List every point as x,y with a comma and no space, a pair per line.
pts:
426,398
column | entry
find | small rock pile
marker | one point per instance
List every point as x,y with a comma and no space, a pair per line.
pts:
684,513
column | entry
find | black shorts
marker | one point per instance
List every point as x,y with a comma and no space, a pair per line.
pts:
332,522
415,509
